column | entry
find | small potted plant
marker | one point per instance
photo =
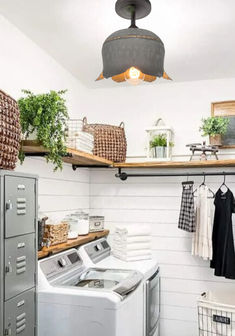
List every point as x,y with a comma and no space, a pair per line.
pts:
44,118
215,127
159,145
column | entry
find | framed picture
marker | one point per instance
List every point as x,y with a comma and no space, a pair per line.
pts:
226,109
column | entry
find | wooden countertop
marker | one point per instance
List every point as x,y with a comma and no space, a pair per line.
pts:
46,251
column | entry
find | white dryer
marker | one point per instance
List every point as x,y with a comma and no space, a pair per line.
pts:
77,300
98,254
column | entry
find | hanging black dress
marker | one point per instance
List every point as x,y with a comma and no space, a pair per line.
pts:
223,260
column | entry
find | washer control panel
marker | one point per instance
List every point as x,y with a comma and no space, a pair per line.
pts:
58,264
98,250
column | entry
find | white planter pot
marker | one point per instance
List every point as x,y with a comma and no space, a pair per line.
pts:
159,152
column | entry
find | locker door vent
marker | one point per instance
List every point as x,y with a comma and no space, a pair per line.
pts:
21,206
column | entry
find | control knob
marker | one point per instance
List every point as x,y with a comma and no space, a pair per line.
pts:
98,247
62,262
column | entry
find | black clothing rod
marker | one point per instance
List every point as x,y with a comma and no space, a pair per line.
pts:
124,176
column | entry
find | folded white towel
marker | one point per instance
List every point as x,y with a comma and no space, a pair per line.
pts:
133,258
131,239
132,230
131,247
132,253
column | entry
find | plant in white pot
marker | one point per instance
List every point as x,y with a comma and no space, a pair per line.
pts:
215,127
159,145
44,116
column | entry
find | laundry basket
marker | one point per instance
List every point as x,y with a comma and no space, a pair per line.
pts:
216,314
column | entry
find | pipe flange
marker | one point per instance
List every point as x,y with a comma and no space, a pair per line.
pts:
124,8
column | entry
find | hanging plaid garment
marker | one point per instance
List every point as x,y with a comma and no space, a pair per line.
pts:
187,212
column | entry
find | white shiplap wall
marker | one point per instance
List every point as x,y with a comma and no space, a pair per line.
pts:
157,201
60,192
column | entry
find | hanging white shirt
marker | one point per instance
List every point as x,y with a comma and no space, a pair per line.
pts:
202,238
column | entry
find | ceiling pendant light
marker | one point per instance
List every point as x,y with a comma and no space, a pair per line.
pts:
133,54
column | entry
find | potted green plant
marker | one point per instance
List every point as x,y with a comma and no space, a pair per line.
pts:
159,145
44,116
215,127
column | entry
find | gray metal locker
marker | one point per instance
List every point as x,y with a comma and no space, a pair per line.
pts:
20,268
19,316
19,205
18,254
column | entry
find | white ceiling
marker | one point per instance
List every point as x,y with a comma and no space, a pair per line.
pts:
199,35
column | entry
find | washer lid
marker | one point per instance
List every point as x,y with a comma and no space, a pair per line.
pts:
121,282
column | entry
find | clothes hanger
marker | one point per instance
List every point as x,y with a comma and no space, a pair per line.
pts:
224,185
204,184
189,183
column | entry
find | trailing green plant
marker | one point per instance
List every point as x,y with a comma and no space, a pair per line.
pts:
214,125
46,115
160,141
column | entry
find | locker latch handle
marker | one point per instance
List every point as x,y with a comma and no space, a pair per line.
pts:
7,332
8,269
9,205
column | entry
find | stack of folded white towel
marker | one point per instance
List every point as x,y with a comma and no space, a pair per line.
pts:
131,243
81,141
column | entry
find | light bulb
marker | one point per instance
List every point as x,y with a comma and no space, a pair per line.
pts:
134,73
134,76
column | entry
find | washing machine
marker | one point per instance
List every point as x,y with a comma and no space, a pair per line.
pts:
74,299
98,254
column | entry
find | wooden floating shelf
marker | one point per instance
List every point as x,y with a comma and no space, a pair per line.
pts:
79,158
75,157
46,251
177,164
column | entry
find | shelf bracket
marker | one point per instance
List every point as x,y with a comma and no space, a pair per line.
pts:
76,166
123,176
43,154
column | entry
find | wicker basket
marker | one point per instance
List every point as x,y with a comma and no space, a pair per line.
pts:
55,234
109,141
9,131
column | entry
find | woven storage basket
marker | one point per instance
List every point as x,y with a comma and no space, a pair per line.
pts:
109,141
9,131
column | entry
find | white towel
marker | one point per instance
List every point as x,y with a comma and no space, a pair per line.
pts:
132,230
131,253
145,256
131,239
131,247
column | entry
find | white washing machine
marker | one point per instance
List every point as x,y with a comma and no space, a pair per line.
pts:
98,254
77,300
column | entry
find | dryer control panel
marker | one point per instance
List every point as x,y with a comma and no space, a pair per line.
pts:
98,250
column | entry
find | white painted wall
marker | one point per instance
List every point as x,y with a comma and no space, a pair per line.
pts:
23,65
181,105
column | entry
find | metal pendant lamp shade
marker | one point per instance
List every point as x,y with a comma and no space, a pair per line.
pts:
133,54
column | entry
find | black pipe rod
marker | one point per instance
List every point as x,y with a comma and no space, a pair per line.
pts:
124,176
